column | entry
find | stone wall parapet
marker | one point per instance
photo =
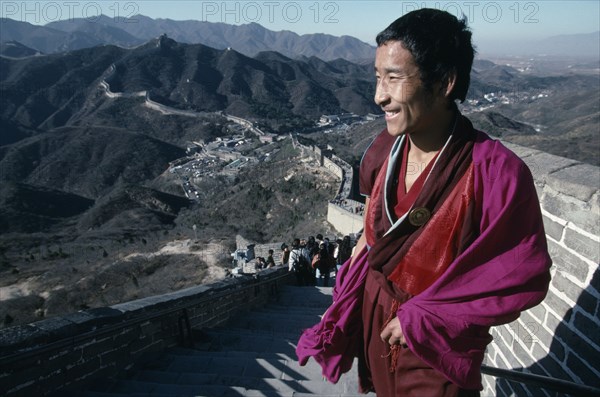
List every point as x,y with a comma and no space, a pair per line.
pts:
43,357
559,337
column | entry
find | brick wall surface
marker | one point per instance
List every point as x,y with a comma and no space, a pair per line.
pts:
558,338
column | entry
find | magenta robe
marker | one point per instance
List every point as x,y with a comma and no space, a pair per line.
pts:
503,272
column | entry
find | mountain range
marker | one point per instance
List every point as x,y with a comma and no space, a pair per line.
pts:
66,135
66,139
62,131
249,39
59,89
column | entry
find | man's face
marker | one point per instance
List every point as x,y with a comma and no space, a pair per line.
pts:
409,108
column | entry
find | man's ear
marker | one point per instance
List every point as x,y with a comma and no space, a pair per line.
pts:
450,83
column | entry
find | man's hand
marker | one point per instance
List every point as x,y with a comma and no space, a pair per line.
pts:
392,333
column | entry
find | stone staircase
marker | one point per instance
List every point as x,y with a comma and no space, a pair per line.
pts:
253,355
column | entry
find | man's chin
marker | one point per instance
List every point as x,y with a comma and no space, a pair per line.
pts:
394,131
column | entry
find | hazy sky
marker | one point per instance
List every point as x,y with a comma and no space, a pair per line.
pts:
489,20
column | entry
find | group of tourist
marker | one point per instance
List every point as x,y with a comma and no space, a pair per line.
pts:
265,263
313,260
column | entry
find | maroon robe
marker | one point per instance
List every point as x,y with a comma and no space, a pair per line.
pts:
406,260
497,267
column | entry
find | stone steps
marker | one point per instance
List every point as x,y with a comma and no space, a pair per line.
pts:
253,355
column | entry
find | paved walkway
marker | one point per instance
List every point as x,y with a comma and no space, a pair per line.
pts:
254,355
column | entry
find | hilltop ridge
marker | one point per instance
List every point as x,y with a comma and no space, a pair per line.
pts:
249,39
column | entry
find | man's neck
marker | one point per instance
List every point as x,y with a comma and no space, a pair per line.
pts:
426,145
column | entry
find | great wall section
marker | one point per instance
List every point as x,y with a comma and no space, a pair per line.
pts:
557,339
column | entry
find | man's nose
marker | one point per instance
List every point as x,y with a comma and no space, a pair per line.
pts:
381,95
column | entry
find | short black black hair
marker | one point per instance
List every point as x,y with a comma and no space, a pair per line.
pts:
439,42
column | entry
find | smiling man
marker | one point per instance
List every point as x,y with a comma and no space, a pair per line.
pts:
453,238
453,226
